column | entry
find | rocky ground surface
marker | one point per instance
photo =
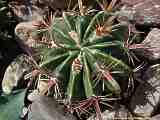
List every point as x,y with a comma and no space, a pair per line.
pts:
45,108
144,102
146,12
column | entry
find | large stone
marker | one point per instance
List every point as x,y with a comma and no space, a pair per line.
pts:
131,3
152,45
33,95
45,108
156,117
62,4
145,11
25,31
57,4
118,113
26,37
147,96
14,73
25,10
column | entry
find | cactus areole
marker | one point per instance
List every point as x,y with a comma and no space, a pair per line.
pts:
83,58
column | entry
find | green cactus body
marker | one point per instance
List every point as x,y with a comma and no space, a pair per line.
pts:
81,52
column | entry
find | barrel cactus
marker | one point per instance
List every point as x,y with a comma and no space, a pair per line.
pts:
87,55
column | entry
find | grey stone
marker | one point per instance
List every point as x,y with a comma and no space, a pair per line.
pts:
156,117
152,45
125,14
146,11
26,38
147,96
46,108
59,4
54,4
33,95
26,11
14,73
119,112
24,31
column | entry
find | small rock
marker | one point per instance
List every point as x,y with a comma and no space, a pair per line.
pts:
24,31
26,38
26,11
152,44
156,117
147,95
33,96
146,11
118,113
59,4
46,108
14,73
125,14
131,3
24,112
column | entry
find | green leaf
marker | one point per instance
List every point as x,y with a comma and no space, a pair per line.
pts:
11,105
93,38
113,86
51,61
61,34
75,85
87,78
81,25
68,60
71,85
69,19
120,33
97,19
50,52
90,58
103,45
63,38
117,65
